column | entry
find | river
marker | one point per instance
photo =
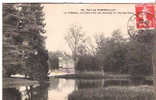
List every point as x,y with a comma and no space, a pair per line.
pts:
60,89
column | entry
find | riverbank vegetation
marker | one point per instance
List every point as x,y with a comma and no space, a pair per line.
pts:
114,93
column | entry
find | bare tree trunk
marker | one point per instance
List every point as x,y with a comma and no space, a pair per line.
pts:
75,65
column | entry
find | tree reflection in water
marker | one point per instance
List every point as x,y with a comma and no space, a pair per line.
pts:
27,93
83,84
39,93
59,89
11,94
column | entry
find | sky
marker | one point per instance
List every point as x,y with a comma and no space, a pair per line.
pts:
59,19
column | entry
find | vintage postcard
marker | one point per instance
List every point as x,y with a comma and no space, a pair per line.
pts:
79,51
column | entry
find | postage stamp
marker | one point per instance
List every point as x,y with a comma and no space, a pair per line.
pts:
143,19
145,16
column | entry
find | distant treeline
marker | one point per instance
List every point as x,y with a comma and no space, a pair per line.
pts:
117,54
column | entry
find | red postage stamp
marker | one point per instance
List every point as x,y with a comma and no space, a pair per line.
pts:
145,16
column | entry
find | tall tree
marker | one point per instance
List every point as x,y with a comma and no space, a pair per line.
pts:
32,30
140,52
111,52
23,27
74,39
12,53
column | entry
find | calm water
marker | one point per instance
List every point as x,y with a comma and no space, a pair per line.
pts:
59,89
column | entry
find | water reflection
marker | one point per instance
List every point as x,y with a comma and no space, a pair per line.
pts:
26,93
59,89
54,82
39,93
83,84
101,83
11,94
64,88
116,83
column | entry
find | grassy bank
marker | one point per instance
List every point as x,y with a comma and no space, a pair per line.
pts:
15,82
94,75
114,93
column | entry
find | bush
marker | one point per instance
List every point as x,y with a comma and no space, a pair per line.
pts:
87,63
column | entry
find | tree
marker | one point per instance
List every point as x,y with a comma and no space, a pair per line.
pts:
33,30
140,51
87,62
86,47
111,52
74,39
53,61
23,42
125,55
12,53
138,59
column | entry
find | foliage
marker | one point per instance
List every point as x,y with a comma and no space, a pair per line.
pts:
139,56
12,52
33,27
87,63
122,55
138,59
117,54
111,52
53,61
24,37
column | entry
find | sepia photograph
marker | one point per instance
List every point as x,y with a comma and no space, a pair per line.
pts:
79,51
